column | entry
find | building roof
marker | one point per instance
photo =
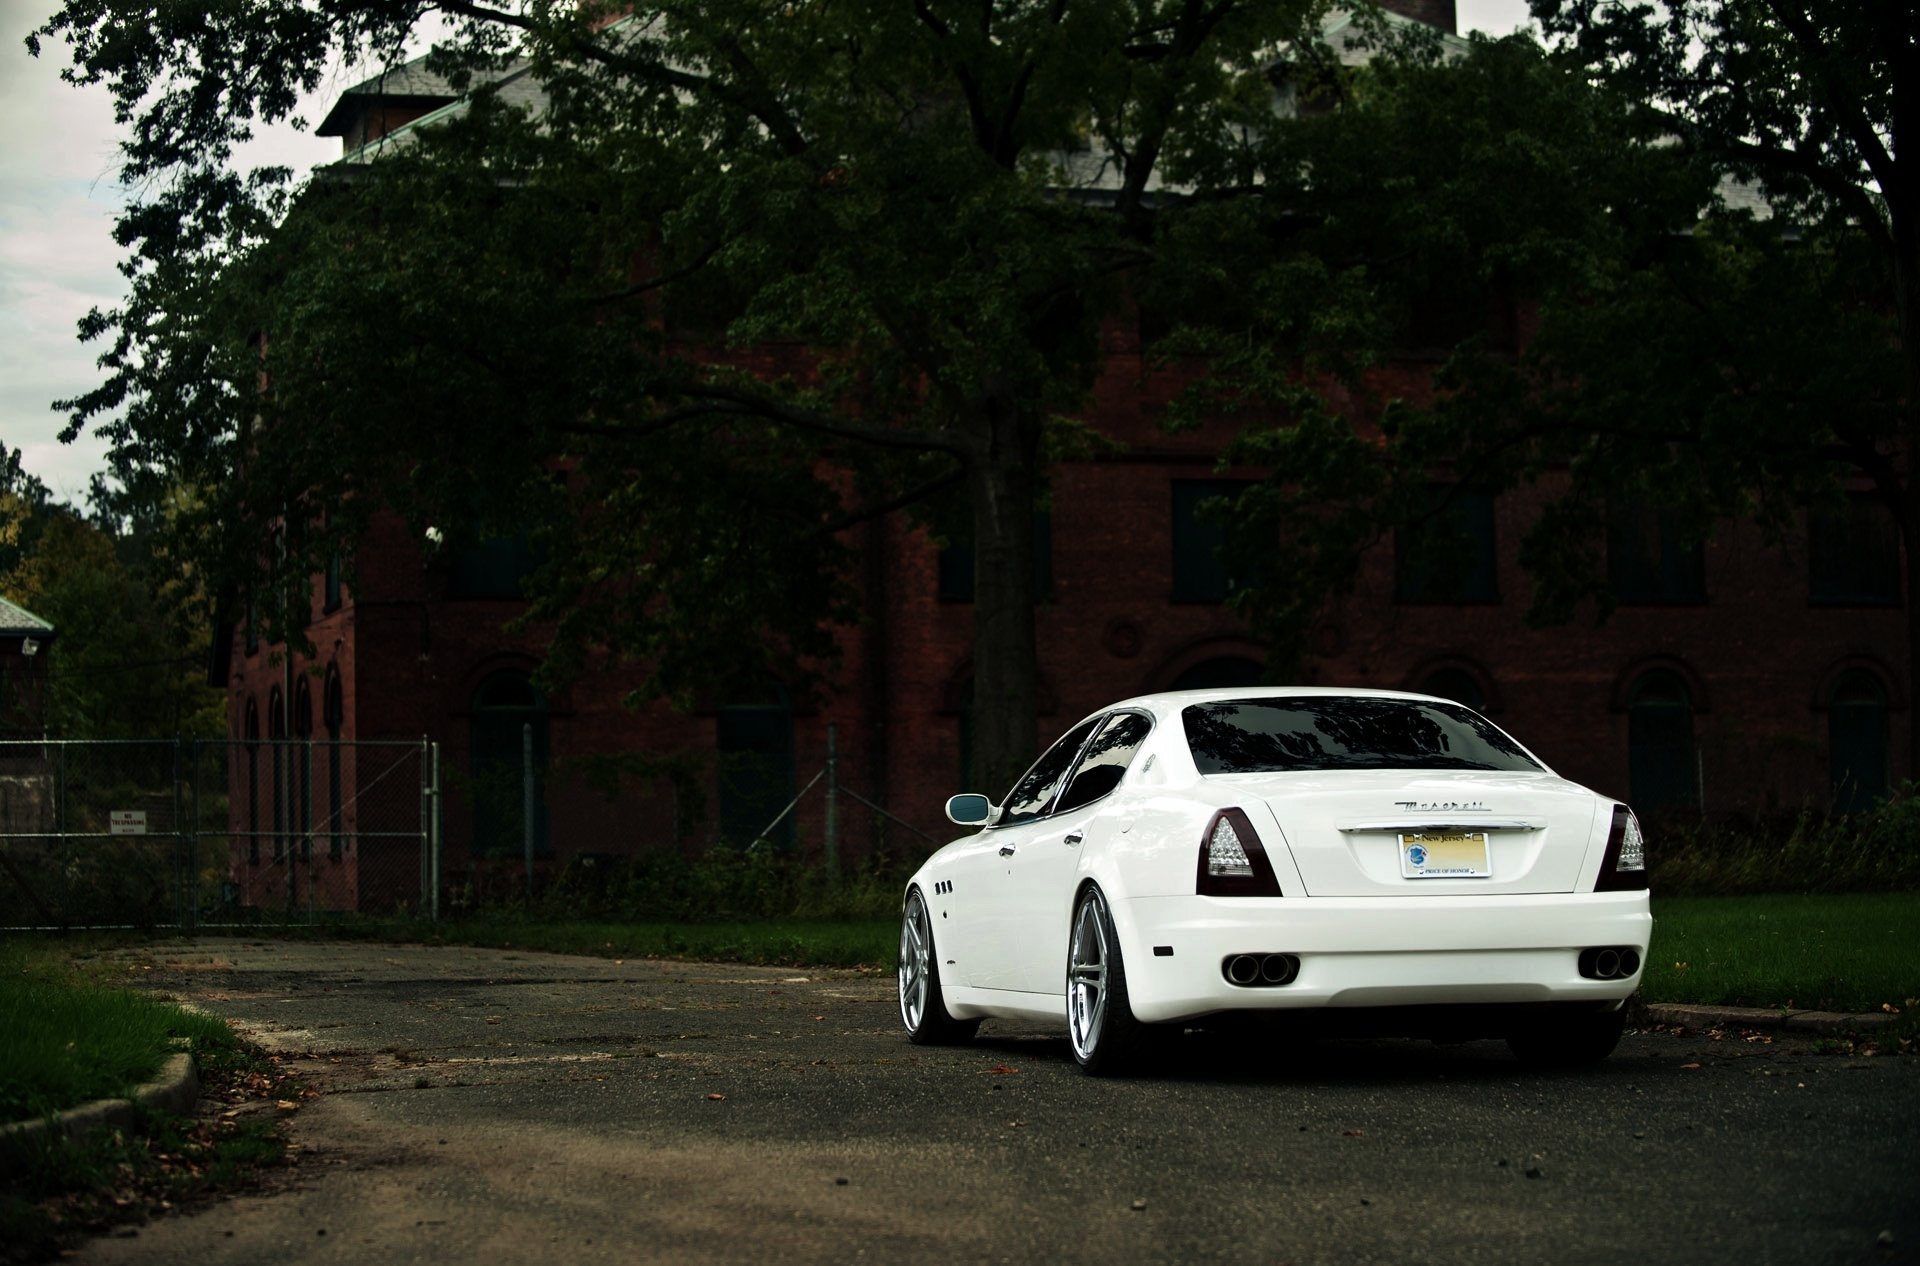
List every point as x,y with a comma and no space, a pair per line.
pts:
17,621
409,82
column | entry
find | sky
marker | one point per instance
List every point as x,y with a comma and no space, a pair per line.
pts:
59,194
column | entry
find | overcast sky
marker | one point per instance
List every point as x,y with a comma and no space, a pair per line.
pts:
58,198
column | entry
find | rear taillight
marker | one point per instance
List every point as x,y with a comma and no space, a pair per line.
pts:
1624,868
1233,862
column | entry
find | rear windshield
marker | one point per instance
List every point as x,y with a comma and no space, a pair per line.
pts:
1249,736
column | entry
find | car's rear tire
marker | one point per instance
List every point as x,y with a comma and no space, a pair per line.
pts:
922,1009
1569,1039
1106,1037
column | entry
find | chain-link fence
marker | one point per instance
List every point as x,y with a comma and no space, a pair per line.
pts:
183,832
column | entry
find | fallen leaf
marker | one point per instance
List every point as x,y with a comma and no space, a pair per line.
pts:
1354,1134
287,1105
716,1096
1689,1065
1003,1070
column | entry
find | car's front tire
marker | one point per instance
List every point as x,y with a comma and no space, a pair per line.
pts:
1106,1037
922,1009
1569,1039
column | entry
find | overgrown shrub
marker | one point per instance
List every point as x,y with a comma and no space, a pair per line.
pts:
1804,852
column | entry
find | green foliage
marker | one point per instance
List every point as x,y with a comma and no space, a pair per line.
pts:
128,657
1803,853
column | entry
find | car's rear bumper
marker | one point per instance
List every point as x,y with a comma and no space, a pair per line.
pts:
1375,951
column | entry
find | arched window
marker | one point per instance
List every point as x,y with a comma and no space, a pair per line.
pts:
251,730
1857,740
1456,684
1220,671
509,713
754,742
333,711
1662,769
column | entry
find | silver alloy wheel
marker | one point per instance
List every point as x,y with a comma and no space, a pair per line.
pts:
1087,959
915,938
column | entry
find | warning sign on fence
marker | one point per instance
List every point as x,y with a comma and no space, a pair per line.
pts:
128,822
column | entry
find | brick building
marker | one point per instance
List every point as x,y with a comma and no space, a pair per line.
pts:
1741,676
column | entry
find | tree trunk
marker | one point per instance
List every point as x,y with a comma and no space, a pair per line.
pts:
1001,480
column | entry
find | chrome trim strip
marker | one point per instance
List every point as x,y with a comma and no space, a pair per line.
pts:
1420,826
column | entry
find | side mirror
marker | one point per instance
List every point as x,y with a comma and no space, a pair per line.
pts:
969,810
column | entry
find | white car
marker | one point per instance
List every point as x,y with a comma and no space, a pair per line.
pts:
1363,859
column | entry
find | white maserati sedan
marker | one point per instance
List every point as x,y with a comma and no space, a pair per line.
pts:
1346,860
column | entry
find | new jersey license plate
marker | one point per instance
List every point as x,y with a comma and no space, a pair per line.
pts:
1444,855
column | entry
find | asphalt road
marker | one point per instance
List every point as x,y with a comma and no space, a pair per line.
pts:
504,1107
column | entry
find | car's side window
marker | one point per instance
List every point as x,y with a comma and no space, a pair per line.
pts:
1106,761
1032,795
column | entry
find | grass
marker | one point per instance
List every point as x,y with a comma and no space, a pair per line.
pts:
792,942
68,1036
1851,953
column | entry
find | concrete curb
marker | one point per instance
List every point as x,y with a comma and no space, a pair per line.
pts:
175,1090
1829,1023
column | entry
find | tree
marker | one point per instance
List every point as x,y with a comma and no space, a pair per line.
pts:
128,660
1700,206
751,272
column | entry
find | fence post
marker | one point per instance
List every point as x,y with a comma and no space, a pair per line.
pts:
180,867
833,799
526,798
433,830
193,835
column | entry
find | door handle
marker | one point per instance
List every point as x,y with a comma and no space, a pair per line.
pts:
1075,838
1006,850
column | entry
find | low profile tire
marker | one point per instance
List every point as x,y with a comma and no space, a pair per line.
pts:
922,1009
1568,1041
1106,1037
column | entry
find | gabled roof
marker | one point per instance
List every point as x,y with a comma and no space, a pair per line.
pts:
411,83
17,621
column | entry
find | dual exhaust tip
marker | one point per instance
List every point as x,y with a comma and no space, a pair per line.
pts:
1609,963
1261,970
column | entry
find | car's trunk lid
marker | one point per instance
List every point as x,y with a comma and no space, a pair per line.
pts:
1366,833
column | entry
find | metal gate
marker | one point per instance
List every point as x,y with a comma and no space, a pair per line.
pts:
190,833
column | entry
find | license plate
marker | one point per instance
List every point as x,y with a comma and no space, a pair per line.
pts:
1444,855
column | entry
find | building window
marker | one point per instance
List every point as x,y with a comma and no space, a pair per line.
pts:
1853,554
330,597
332,714
252,732
754,751
508,710
1456,684
1663,770
1222,671
277,747
957,568
1200,568
1857,740
1447,556
1650,560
